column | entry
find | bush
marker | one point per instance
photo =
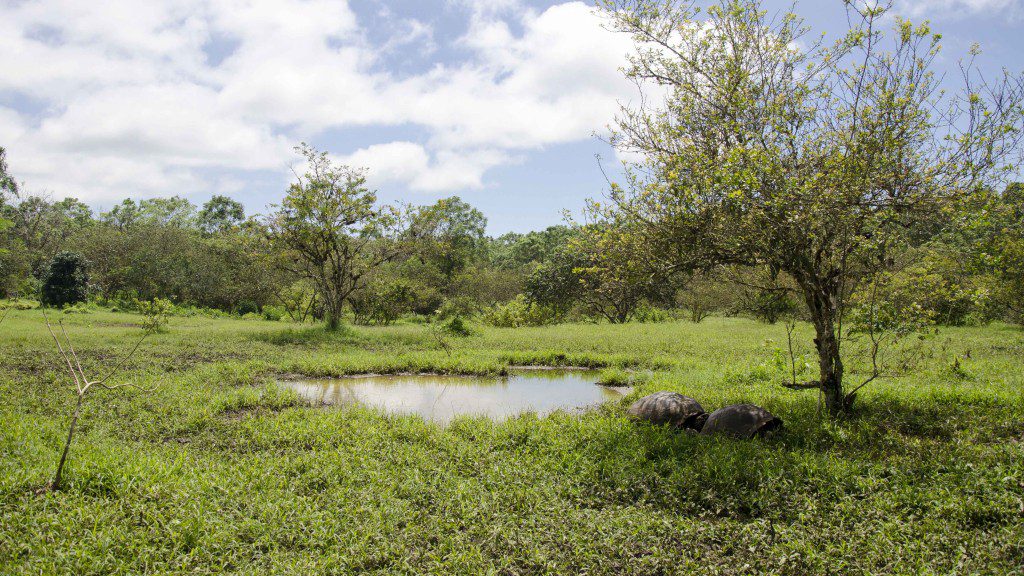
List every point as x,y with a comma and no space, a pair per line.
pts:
247,307
156,312
519,312
456,326
273,313
382,303
651,314
66,280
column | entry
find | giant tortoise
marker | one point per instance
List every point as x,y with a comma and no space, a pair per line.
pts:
741,421
669,408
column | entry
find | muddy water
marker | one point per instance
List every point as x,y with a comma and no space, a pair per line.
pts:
442,398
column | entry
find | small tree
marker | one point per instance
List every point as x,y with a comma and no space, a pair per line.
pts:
333,231
82,387
814,159
66,281
617,270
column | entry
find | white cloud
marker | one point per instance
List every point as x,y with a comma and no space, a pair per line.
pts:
410,164
118,97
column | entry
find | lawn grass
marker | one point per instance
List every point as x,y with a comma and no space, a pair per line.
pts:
221,470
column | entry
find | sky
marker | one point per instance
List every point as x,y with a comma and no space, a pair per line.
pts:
500,102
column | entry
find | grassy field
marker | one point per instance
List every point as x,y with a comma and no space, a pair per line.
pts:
220,470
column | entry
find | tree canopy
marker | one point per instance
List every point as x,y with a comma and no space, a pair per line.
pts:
773,148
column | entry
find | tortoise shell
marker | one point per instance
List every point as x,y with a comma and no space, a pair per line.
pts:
741,421
669,408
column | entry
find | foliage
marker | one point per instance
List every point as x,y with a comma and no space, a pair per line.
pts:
382,303
274,313
517,312
617,269
66,280
220,214
332,232
155,312
816,160
456,326
449,234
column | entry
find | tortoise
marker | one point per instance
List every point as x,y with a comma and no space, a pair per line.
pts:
741,421
674,409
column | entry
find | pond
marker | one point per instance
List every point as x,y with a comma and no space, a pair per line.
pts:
442,398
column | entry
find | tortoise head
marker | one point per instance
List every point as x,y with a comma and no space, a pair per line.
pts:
696,422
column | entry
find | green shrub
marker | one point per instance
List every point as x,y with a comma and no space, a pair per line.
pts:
651,314
156,312
273,313
456,326
66,280
382,303
519,312
247,307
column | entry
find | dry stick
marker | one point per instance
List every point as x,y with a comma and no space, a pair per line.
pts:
82,386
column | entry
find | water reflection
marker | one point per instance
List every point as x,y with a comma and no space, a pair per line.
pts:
442,398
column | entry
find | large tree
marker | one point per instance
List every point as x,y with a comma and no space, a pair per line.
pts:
763,146
332,231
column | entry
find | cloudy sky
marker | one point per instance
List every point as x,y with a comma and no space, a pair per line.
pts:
496,101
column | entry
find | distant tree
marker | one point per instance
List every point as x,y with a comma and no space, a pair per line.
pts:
7,182
555,282
334,232
617,270
66,281
174,211
449,234
220,214
43,227
773,149
996,246
122,216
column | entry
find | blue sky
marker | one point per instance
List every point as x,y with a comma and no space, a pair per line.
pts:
496,101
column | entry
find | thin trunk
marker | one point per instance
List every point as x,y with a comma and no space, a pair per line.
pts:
55,485
824,314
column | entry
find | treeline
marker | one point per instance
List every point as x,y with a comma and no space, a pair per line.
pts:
439,261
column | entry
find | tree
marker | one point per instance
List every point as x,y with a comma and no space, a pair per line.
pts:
220,214
82,387
174,211
617,270
122,216
814,159
44,227
7,183
66,281
449,234
333,231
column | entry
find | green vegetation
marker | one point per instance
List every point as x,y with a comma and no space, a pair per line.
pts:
832,226
221,470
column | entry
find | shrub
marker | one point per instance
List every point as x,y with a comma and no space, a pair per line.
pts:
651,314
273,313
456,326
66,280
382,303
519,312
247,307
156,312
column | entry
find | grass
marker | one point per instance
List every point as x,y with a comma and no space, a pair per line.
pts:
220,470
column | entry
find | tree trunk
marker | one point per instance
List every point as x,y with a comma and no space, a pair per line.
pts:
55,485
824,315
